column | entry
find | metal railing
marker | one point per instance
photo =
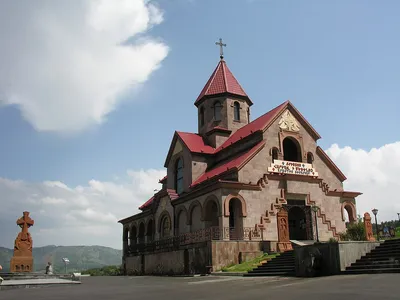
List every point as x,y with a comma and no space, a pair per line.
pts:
203,235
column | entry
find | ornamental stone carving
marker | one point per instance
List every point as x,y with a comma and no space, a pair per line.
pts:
22,261
284,243
368,228
288,122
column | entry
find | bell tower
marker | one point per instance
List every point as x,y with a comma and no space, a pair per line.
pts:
223,105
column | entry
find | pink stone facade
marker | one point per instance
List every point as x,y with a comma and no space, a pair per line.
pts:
246,197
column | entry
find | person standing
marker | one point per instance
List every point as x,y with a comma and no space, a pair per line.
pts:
1,279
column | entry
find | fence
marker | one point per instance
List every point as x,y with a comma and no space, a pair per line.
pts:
203,235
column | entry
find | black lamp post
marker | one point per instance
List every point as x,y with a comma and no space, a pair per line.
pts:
315,209
375,212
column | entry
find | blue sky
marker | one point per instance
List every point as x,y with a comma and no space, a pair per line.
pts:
337,61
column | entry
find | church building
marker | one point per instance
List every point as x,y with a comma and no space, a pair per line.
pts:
236,188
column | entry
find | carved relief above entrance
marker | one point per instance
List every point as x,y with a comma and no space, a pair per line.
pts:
288,122
283,231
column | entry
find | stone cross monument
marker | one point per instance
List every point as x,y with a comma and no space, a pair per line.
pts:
22,261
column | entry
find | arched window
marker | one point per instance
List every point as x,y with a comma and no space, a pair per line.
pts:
248,115
236,111
291,150
202,116
274,153
217,111
165,226
310,158
179,176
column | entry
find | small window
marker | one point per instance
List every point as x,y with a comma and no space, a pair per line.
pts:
217,111
310,158
236,111
179,176
202,116
248,115
274,153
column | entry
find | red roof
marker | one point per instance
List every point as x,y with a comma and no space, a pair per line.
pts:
221,81
147,203
256,125
171,193
163,180
195,143
237,163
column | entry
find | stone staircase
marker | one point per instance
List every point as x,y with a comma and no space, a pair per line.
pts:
282,265
383,259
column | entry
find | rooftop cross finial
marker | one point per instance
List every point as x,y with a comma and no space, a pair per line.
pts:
221,49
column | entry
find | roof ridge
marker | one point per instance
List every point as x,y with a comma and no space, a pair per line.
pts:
224,74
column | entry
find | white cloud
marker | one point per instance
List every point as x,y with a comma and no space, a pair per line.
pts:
65,65
375,173
88,214
84,215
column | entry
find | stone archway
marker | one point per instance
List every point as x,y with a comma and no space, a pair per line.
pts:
235,210
211,212
133,236
164,225
182,221
141,233
291,149
195,216
350,208
126,240
150,231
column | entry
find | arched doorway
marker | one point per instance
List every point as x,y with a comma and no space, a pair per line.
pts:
195,212
235,219
211,214
181,218
150,231
133,236
297,224
291,149
165,225
141,233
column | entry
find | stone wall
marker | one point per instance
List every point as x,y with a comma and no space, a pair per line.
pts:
189,260
225,253
194,259
351,251
334,257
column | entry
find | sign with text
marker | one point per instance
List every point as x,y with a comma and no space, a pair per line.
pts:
292,167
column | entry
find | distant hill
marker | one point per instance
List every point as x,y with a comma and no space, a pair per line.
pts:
80,257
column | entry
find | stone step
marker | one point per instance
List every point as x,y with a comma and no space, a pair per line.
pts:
376,261
371,271
276,264
386,247
393,241
277,269
373,266
288,274
378,258
384,251
285,259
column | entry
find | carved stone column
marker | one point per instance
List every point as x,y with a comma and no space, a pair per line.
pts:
284,243
368,227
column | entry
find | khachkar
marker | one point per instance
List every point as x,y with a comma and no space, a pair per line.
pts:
22,261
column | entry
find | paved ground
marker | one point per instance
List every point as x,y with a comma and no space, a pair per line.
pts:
366,287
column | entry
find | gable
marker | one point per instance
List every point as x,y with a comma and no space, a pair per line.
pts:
290,119
178,147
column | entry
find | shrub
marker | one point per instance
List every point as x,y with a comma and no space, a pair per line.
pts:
354,232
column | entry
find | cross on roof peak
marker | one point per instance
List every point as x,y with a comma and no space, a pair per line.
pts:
221,49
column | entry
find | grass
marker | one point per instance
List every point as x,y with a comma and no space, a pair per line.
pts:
248,265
